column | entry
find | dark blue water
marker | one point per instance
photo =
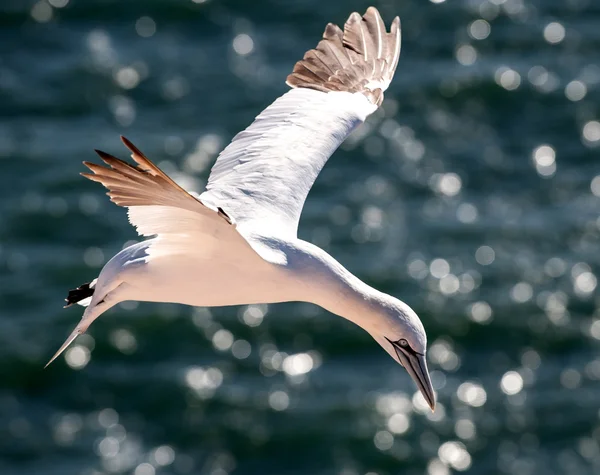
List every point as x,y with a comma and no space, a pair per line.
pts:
473,195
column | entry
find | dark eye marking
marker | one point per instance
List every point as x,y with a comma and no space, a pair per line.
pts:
402,344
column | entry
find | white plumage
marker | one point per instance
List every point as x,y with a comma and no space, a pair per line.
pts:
236,243
263,176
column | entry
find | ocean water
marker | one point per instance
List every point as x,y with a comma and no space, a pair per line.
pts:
473,195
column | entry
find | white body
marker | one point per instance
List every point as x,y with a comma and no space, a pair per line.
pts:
204,276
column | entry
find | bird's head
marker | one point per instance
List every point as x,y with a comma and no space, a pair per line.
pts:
400,332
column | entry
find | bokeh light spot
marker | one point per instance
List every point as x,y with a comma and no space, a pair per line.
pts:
77,357
243,44
511,383
575,91
591,133
279,400
455,455
145,27
479,29
383,440
554,32
485,255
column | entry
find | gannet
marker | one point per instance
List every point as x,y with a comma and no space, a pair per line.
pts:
236,243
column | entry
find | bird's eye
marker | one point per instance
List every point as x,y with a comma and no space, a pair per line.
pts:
403,343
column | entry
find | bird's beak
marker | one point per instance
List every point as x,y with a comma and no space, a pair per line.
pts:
416,366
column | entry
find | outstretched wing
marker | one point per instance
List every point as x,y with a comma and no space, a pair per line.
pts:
156,204
263,176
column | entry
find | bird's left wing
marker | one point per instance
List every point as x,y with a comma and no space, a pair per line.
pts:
262,178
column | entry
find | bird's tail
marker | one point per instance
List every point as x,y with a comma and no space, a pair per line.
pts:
82,295
97,299
80,329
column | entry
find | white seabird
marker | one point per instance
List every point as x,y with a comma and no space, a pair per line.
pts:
237,243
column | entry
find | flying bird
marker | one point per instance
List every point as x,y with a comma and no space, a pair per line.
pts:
236,243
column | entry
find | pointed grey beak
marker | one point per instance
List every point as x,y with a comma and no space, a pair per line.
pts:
416,366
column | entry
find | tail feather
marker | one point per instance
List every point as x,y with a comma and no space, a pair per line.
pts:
82,295
105,299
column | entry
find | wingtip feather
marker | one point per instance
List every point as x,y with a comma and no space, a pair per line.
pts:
106,157
144,184
363,61
131,147
92,176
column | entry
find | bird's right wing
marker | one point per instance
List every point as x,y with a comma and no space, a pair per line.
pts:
263,176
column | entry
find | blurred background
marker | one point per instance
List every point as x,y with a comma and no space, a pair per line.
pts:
472,195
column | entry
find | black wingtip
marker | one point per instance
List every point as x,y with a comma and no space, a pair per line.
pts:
102,154
128,143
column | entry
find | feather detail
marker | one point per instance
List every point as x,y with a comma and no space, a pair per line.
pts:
361,58
141,185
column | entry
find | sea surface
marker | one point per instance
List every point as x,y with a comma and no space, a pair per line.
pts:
473,195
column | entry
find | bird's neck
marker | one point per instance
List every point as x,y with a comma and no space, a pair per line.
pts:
331,286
